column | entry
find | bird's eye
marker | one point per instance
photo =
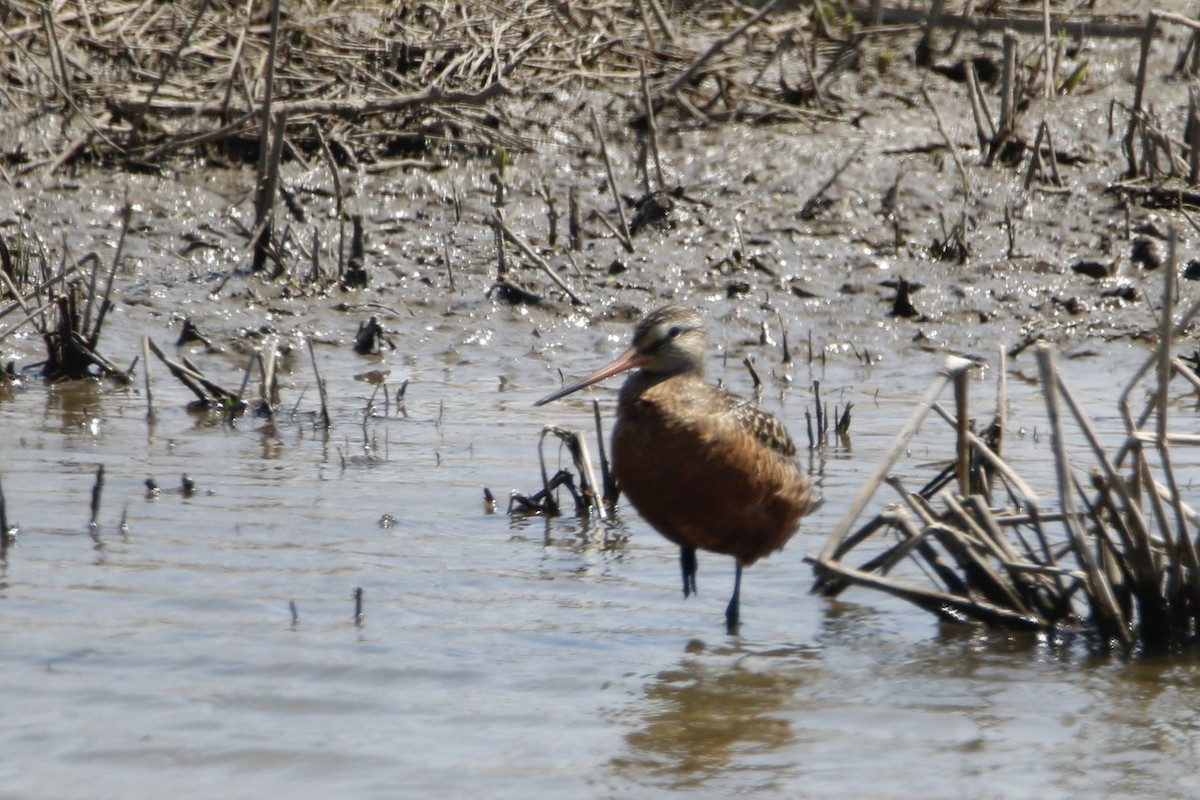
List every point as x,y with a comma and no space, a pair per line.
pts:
674,331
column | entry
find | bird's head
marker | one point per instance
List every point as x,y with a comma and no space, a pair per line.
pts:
668,341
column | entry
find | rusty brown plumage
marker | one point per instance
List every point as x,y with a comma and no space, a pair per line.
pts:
708,469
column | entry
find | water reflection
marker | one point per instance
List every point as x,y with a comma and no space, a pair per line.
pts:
75,405
714,709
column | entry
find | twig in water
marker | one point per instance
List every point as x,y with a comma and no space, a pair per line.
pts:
97,488
325,422
821,422
4,532
355,276
146,378
268,392
446,258
105,303
754,376
209,394
574,228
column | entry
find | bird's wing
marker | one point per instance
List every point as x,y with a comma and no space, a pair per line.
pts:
766,428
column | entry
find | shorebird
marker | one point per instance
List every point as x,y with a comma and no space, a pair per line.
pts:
708,469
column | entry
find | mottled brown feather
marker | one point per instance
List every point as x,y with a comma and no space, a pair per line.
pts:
706,468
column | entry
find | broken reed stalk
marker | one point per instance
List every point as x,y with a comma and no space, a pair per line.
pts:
545,501
268,190
446,259
574,226
822,427
1106,612
268,166
612,491
268,390
339,207
105,303
1139,91
1191,136
985,127
68,355
356,275
651,128
497,221
1136,128
324,418
150,416
650,38
964,180
623,235
36,314
1123,568
1058,181
1035,155
1048,78
590,491
60,76
1006,125
251,361
961,384
209,395
952,365
3,522
97,488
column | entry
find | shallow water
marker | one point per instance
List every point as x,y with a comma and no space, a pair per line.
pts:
527,657
501,658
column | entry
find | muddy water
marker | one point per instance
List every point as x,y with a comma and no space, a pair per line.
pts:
532,657
498,658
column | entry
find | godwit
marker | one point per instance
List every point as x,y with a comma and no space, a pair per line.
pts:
708,469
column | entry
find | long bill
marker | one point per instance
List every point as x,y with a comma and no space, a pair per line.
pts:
630,359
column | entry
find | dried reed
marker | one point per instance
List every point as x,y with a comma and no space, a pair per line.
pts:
1117,560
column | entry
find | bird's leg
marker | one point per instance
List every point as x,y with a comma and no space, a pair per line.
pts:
731,611
687,561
